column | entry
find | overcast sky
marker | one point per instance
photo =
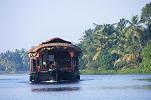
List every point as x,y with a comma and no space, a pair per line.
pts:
25,23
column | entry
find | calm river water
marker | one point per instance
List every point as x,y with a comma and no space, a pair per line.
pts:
91,87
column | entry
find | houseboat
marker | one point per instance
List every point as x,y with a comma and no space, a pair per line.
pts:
55,59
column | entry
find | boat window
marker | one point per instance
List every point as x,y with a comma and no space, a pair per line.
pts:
40,62
51,57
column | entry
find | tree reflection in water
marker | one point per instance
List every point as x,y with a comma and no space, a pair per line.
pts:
56,89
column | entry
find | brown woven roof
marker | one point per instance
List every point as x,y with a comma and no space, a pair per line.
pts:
54,42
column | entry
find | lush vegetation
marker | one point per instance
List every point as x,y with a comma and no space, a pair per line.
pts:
122,47
146,53
14,61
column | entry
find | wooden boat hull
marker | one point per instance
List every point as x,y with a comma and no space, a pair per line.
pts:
53,75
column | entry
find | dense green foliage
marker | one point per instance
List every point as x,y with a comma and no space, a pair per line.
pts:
146,53
14,61
120,46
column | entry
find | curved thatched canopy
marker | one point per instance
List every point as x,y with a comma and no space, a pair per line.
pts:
55,42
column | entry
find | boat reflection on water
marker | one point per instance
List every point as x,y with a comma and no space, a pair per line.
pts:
56,86
56,82
57,89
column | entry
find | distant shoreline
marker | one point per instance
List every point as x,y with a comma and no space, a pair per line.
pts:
93,72
101,72
20,72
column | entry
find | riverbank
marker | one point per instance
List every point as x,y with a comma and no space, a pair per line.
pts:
125,71
94,72
19,72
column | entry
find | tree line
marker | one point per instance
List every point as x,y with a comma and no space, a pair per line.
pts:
118,46
14,61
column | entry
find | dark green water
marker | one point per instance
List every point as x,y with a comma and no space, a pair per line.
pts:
91,87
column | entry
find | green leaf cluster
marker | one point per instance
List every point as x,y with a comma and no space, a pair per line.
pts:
146,53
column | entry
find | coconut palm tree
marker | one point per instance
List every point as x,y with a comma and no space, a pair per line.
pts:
103,38
135,30
120,39
146,19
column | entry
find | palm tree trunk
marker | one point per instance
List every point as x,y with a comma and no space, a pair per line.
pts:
140,44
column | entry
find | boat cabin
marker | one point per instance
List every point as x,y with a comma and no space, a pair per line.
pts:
55,59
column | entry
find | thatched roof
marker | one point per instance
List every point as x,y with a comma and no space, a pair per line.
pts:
54,42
